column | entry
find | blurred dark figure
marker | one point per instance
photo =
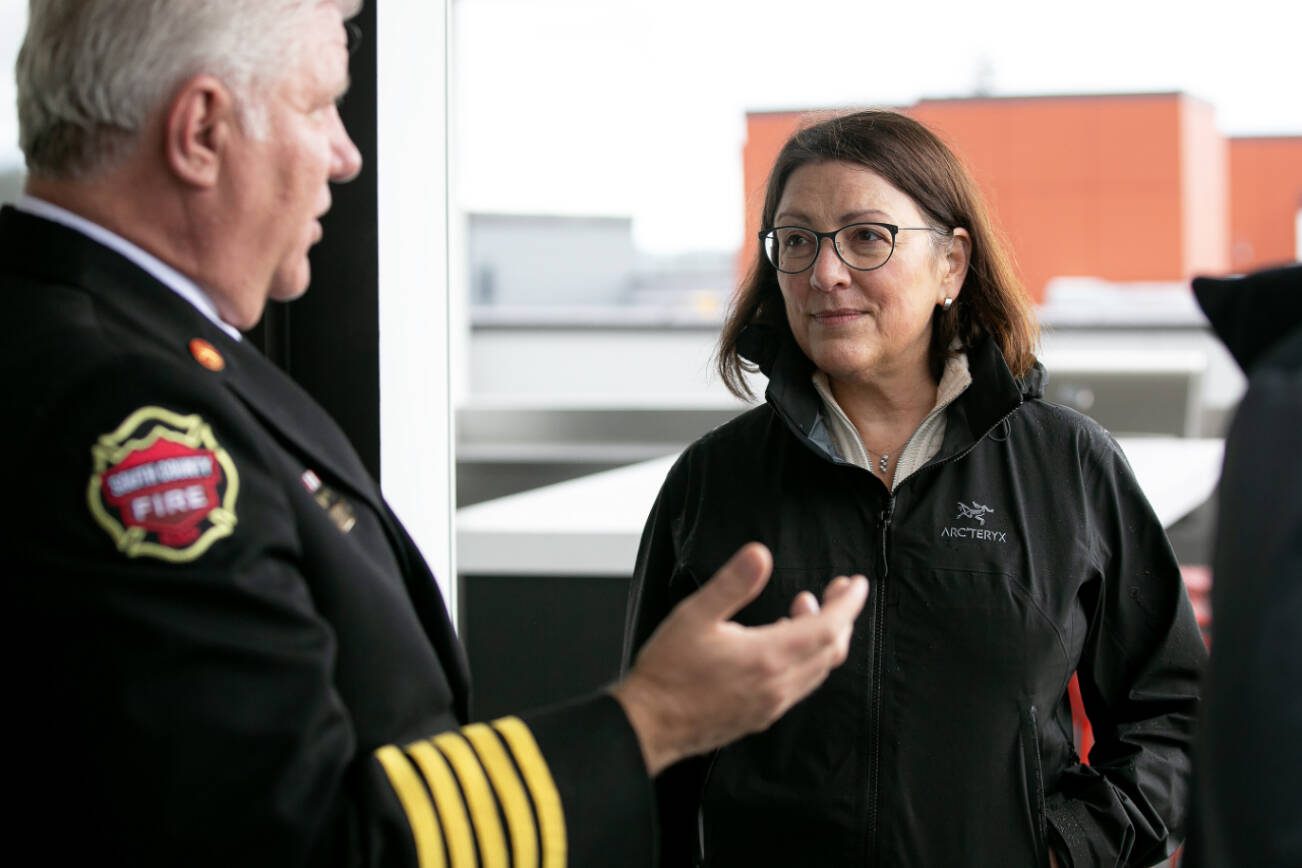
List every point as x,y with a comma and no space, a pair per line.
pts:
1249,762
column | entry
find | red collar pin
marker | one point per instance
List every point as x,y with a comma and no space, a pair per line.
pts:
206,354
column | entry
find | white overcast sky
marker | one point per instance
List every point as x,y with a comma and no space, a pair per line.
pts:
636,107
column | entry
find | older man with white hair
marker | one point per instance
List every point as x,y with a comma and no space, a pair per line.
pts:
225,649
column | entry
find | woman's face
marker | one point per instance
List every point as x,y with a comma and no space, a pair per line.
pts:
861,326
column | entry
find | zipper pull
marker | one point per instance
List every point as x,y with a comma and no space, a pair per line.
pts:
885,517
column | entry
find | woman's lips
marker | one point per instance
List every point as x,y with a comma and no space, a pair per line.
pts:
837,317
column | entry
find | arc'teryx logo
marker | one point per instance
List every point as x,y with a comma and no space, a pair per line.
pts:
976,511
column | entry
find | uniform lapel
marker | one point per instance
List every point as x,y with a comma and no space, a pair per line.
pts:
284,406
287,409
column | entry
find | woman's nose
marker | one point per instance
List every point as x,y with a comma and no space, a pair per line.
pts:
828,271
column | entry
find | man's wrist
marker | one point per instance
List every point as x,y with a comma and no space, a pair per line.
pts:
646,717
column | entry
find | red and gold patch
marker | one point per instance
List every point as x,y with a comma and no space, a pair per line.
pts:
162,486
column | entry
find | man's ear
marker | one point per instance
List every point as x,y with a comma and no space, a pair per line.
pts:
199,124
957,254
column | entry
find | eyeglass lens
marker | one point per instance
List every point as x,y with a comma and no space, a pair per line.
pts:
860,245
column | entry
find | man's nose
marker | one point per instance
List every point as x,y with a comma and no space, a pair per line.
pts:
346,161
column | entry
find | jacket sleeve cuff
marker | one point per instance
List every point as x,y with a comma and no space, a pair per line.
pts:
607,797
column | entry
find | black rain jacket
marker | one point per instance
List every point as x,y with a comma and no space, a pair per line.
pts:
1022,553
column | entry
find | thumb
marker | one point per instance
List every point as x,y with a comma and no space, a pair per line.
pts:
735,584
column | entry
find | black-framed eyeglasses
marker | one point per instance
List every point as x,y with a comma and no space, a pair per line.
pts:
352,36
861,246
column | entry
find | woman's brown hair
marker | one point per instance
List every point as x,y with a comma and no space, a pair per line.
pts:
917,162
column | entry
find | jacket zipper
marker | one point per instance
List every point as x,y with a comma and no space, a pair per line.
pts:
878,666
879,616
879,644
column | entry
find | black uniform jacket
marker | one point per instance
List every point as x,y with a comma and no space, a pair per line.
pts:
1249,769
224,648
1022,553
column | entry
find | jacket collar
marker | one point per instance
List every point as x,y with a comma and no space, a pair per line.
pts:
1252,313
994,392
47,251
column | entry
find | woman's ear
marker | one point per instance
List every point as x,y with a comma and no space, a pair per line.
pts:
954,262
198,126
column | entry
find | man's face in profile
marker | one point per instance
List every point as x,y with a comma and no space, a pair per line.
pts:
281,174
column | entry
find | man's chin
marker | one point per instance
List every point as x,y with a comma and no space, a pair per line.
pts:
292,284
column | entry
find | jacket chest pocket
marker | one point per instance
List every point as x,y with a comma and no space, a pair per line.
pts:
972,630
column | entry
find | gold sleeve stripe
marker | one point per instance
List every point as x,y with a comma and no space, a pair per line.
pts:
510,794
415,802
483,809
551,814
447,797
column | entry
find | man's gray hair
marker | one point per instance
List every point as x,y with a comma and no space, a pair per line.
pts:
90,73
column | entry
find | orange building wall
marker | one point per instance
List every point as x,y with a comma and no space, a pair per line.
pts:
1265,198
1124,187
766,133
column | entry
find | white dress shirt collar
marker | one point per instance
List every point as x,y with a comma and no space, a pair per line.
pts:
164,273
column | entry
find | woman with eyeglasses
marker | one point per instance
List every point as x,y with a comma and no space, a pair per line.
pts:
905,436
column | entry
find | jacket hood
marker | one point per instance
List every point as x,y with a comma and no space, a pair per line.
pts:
1251,313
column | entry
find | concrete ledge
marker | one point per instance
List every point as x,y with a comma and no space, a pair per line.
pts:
591,526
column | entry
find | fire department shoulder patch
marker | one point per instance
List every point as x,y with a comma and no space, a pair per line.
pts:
162,487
